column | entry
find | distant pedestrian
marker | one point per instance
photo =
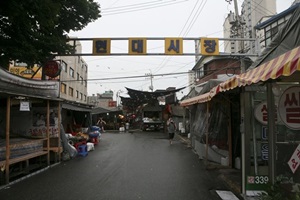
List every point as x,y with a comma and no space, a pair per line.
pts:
101,123
171,129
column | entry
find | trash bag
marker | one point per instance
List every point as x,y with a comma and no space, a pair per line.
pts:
67,147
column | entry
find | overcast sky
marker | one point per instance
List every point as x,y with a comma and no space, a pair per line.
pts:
151,18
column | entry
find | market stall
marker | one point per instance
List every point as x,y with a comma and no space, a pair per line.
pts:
28,119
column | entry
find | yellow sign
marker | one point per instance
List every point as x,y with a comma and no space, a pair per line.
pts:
137,46
101,46
33,73
209,46
173,46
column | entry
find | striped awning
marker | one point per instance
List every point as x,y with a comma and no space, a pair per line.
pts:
283,65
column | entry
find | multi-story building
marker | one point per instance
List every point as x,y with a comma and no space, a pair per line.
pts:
267,28
104,100
242,26
73,77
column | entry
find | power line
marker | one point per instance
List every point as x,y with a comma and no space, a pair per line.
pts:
129,6
127,77
189,17
199,10
140,8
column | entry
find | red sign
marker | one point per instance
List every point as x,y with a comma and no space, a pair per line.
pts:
289,107
112,104
261,113
52,68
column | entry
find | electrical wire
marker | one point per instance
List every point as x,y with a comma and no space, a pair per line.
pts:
125,77
199,10
128,6
189,17
141,8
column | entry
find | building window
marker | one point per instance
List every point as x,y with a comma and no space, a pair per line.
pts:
71,90
81,80
85,83
81,96
71,72
77,76
84,97
77,94
64,66
63,88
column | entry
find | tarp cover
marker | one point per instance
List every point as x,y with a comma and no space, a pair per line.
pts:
204,94
144,96
75,107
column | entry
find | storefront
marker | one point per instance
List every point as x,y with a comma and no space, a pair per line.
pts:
29,118
269,126
269,116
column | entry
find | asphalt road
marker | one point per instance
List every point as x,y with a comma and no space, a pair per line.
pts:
124,166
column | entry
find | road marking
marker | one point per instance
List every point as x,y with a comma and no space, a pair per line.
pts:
226,195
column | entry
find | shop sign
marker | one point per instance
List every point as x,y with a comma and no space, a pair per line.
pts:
258,182
27,73
42,131
261,113
264,152
289,107
52,68
112,104
24,106
264,133
295,159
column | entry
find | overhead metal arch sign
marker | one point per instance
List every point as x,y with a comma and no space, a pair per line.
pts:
168,46
172,46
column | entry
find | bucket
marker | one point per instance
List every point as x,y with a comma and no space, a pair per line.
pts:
237,163
224,161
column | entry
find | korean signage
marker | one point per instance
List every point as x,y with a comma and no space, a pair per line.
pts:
34,72
295,159
52,68
289,107
264,146
101,46
137,46
261,113
112,103
24,106
172,46
209,46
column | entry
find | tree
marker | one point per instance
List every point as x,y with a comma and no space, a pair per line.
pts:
31,30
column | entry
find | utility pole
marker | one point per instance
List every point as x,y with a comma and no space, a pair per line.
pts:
237,29
237,26
151,79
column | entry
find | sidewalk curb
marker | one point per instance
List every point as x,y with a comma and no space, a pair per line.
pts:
232,185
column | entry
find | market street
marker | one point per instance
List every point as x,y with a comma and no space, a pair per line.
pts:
124,166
